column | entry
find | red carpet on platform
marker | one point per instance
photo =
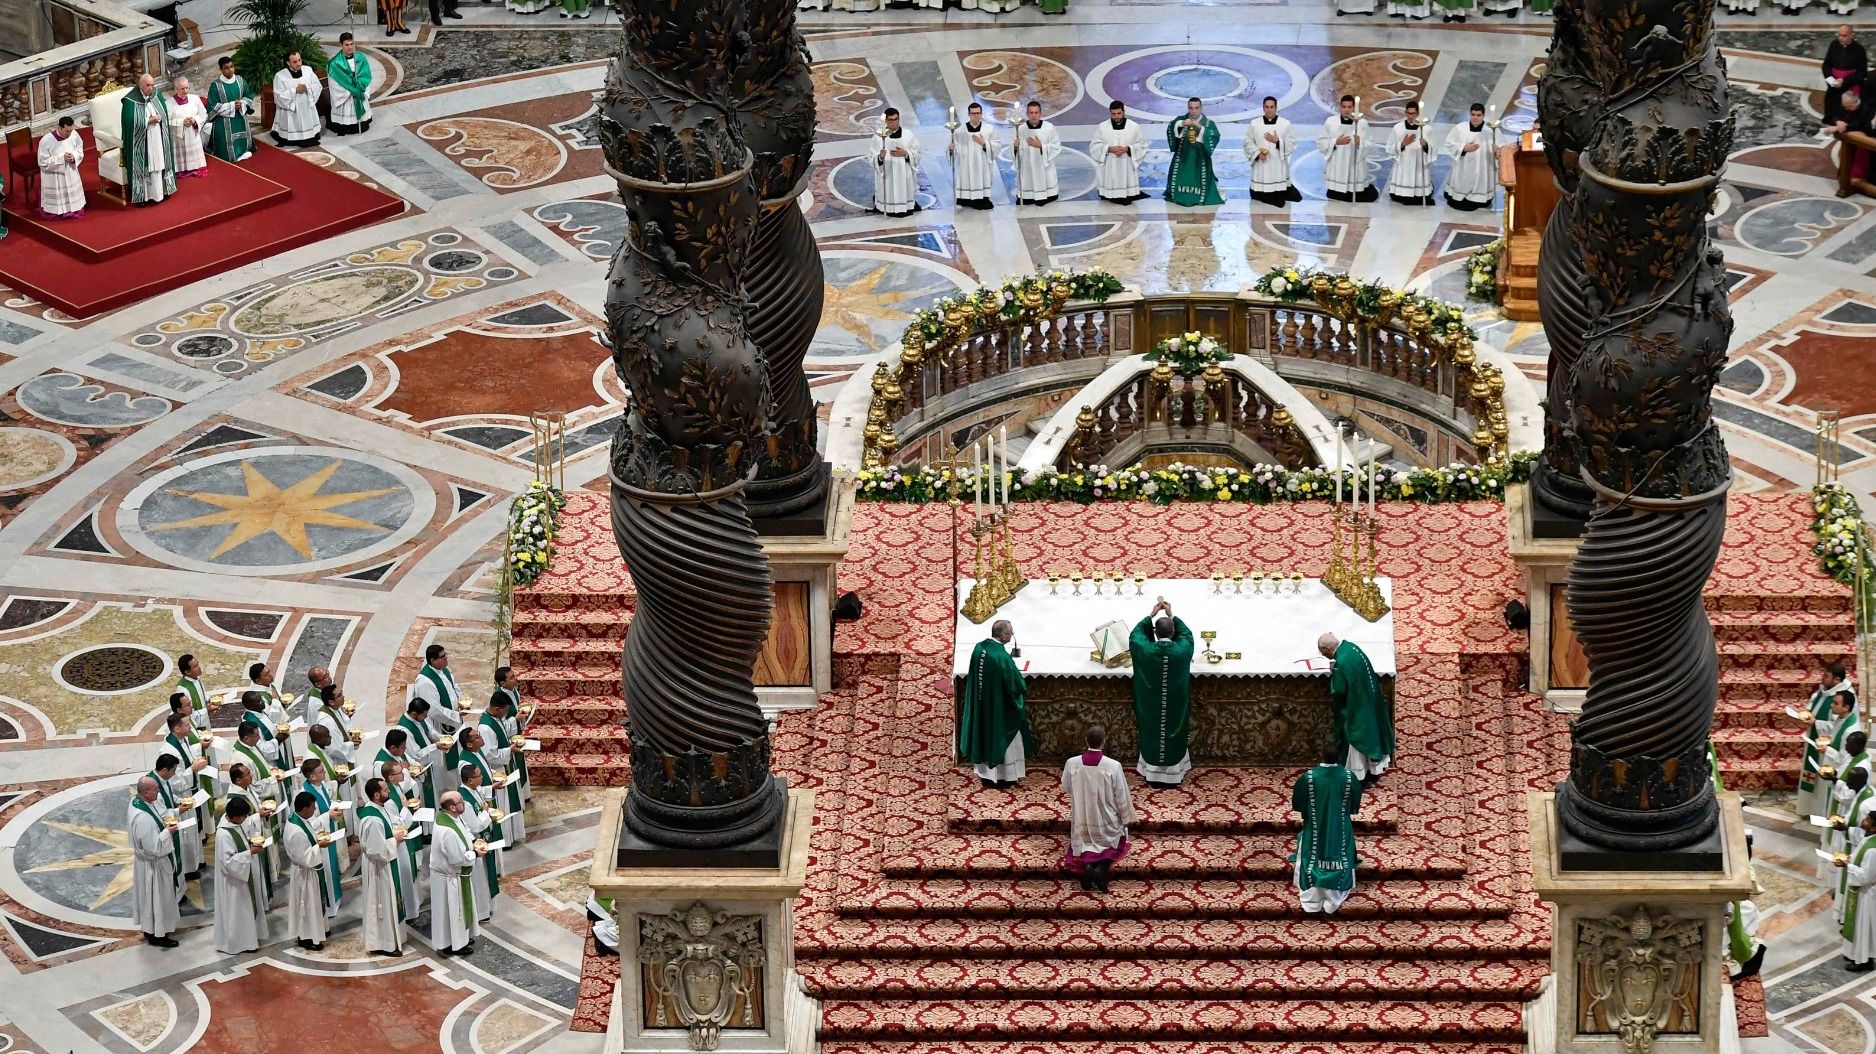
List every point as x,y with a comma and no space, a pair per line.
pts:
116,255
934,918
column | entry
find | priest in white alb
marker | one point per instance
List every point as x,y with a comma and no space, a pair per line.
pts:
350,76
156,864
1117,149
383,871
453,859
61,189
1859,908
436,685
973,151
1038,144
1100,806
895,169
1472,182
1411,181
306,863
1343,144
401,803
296,104
1270,146
240,890
188,125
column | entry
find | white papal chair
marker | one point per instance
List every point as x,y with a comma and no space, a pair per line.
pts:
106,127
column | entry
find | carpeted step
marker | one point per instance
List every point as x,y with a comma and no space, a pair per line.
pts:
1757,713
587,711
559,682
1142,1019
541,652
1130,1046
1162,897
1767,773
562,769
951,978
1735,745
538,601
604,625
1817,595
1218,801
1250,855
579,739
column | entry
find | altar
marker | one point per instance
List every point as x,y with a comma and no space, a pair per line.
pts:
1263,702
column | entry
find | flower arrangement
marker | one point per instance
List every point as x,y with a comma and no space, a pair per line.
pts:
1371,302
1482,271
531,522
954,318
1260,484
1188,353
1288,284
1842,535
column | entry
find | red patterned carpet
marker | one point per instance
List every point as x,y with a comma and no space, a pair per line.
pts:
933,919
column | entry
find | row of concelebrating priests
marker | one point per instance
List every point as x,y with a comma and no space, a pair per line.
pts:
170,134
1120,144
1834,788
425,816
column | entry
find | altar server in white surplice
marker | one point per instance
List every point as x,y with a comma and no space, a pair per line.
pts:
1472,182
156,865
974,159
1037,146
240,892
1344,143
1117,148
188,124
61,190
306,860
384,871
895,169
1269,145
1100,806
1411,181
296,104
453,858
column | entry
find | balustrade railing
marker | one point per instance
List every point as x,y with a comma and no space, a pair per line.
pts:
96,45
1213,408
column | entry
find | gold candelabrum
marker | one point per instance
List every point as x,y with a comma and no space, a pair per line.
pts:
995,578
1353,578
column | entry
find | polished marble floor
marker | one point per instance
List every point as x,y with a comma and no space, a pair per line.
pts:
308,460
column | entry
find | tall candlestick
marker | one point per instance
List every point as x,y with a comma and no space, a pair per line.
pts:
1338,467
977,481
1003,442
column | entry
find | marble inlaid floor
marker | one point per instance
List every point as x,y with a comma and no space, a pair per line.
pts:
308,460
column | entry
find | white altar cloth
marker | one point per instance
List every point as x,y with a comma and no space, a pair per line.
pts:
1275,631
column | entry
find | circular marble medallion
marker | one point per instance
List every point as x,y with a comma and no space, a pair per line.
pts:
276,511
112,669
325,299
205,346
445,238
871,298
1155,82
72,858
33,455
453,260
1207,83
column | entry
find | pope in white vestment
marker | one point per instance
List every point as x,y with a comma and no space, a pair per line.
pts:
240,892
156,856
453,925
1117,149
1344,144
296,105
188,129
895,169
1411,181
1472,182
1037,146
1270,146
974,160
61,189
1100,806
306,862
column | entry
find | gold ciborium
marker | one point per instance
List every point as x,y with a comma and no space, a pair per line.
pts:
1209,635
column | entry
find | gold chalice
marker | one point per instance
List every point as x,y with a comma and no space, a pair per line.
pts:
496,815
1209,635
1054,577
482,845
1828,772
1237,582
446,742
1139,583
349,707
1821,742
185,803
1836,821
1074,579
1257,581
1218,583
1192,132
1296,581
1100,579
1840,859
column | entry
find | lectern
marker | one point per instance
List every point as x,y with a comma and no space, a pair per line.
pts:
1530,196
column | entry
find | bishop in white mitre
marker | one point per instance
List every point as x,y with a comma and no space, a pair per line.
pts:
156,865
1343,143
1269,145
973,151
1411,181
895,169
188,127
1037,146
384,870
296,104
1472,182
61,189
240,884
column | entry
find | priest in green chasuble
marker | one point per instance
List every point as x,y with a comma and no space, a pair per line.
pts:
1192,139
1327,797
1364,716
1161,648
149,153
993,725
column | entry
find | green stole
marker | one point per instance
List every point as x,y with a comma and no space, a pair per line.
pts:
163,790
332,848
466,879
338,718
375,812
413,841
1162,692
495,726
1190,180
1850,819
259,863
270,825
445,685
262,770
993,712
286,745
354,75
421,738
332,773
134,130
300,821
489,868
202,782
228,137
1328,797
198,700
1856,894
175,837
519,760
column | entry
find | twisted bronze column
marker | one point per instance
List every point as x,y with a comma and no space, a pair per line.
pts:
1656,133
675,313
774,104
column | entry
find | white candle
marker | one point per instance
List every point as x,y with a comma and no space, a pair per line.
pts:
977,481
1003,442
1338,466
1374,479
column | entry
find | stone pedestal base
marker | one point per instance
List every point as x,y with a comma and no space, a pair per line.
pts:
796,665
1559,671
1638,959
707,958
